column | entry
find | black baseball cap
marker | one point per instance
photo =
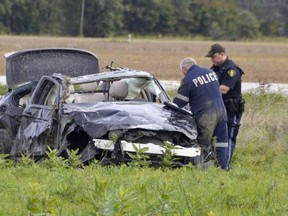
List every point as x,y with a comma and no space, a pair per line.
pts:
215,48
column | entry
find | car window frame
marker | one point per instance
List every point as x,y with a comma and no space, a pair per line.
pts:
42,90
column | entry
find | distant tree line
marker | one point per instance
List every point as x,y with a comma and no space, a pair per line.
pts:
218,19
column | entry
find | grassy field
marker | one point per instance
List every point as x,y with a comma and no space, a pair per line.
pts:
256,185
262,61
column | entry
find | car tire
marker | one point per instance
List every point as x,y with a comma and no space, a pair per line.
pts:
5,142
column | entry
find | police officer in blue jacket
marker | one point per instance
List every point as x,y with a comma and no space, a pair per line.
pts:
229,75
200,88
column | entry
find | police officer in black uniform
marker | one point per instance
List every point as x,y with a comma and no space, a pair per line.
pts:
229,75
200,88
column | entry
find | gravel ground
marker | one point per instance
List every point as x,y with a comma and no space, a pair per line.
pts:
246,87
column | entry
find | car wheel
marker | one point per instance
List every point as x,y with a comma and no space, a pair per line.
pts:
5,142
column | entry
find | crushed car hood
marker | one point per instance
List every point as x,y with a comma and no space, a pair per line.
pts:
30,65
99,118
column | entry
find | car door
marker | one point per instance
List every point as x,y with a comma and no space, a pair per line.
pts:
39,122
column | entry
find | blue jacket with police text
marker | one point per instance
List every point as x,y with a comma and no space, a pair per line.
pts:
200,88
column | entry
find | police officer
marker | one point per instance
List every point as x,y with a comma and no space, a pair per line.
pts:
200,88
229,75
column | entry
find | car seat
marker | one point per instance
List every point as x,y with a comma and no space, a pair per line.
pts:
119,90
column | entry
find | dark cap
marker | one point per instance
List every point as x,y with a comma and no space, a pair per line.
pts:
215,48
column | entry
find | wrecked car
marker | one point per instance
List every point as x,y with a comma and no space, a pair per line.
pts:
105,116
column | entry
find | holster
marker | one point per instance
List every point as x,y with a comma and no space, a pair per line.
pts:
235,105
230,105
241,106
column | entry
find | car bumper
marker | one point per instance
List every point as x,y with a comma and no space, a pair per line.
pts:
178,151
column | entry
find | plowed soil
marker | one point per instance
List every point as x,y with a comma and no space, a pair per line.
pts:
261,61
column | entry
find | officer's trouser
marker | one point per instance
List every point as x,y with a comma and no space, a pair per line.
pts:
213,128
221,145
233,129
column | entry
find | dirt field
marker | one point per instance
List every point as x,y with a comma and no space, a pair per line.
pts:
262,62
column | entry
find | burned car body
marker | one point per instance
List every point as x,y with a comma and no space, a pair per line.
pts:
104,116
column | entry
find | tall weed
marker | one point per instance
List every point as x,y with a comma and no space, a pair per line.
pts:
263,132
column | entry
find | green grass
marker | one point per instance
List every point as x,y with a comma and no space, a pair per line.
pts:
3,89
249,189
256,185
